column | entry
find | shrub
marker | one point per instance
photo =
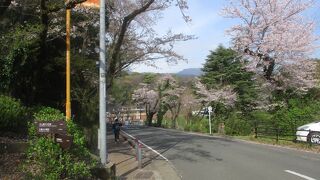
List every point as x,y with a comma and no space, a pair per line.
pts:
187,127
46,159
48,114
199,125
13,115
237,125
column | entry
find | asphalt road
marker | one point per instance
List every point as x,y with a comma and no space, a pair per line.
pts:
199,157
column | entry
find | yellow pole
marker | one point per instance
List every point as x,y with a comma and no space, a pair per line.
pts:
68,103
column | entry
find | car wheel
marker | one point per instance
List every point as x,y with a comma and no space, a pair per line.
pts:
314,138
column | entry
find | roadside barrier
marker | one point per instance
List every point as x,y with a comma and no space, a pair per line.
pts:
142,150
272,132
134,142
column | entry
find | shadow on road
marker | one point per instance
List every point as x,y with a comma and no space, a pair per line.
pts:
165,140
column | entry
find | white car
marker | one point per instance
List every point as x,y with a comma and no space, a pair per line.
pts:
309,133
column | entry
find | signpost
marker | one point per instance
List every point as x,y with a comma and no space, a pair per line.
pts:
210,111
57,130
65,141
51,127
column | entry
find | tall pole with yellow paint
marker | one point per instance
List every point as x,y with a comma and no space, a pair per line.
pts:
68,102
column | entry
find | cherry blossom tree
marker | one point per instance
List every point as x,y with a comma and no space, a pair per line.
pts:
173,100
224,95
189,102
165,94
149,98
170,93
301,75
276,39
132,37
163,84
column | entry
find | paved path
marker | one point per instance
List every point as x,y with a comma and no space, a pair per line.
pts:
202,157
124,157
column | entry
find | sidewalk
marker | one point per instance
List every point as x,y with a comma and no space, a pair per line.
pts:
123,155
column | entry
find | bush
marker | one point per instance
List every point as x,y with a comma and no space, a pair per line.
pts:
13,115
46,159
48,114
199,125
237,125
187,127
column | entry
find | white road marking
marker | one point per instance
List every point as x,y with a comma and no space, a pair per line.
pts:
300,175
154,151
147,146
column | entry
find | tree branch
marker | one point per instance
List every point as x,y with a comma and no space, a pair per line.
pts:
125,24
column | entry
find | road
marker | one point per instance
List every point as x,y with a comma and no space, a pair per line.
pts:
198,157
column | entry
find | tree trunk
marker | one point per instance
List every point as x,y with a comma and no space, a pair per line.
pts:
149,118
42,58
269,69
162,111
174,121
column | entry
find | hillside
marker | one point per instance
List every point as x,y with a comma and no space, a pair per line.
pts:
190,72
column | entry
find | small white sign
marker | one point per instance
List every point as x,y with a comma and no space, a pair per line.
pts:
210,109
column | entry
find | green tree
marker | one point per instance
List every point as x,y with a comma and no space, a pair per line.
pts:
225,67
149,78
32,69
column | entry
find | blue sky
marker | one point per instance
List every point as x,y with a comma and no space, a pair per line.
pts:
209,28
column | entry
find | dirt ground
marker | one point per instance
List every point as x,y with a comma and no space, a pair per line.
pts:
10,166
11,163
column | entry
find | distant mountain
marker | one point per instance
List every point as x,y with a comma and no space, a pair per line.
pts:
190,72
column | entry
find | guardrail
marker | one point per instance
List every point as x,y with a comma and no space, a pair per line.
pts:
144,153
280,134
138,145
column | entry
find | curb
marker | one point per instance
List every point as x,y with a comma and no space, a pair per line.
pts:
107,172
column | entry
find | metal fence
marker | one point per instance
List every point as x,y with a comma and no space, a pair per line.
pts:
277,133
145,154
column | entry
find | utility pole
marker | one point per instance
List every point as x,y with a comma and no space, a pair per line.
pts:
102,85
68,102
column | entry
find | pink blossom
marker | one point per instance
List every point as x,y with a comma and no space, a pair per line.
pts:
225,94
274,34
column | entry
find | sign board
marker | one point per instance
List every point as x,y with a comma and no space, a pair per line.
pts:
210,109
65,141
51,127
56,128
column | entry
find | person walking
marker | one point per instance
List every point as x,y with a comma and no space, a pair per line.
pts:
116,129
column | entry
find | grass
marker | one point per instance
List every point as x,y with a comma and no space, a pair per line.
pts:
284,143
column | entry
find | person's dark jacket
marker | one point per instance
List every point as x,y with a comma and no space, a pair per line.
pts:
116,126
